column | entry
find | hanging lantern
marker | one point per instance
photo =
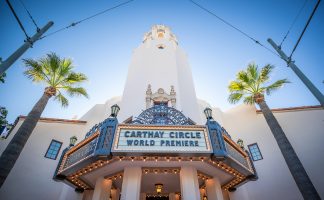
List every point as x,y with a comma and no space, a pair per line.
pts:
208,113
240,143
73,140
159,187
114,110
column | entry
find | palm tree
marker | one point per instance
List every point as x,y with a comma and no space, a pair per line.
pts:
250,85
58,76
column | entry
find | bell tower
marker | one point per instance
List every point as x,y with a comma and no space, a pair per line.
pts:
159,63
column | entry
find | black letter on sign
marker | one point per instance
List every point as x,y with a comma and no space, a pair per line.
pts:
129,142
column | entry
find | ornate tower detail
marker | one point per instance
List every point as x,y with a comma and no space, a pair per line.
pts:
160,32
159,61
173,97
160,97
148,96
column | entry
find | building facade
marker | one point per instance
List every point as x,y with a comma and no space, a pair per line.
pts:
164,144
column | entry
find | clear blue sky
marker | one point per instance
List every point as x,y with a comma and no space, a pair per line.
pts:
102,47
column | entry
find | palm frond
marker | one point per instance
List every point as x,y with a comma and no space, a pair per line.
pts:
235,97
250,82
235,86
56,73
73,78
63,72
35,71
252,71
249,100
64,102
243,77
276,85
265,72
76,91
54,61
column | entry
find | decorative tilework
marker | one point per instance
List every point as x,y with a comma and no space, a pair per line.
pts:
162,115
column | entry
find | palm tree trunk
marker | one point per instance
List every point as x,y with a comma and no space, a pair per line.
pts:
16,145
296,168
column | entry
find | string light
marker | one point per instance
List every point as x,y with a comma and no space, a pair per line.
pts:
238,177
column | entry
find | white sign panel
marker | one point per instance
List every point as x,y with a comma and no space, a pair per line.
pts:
161,139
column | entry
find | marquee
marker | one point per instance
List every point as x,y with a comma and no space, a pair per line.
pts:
161,139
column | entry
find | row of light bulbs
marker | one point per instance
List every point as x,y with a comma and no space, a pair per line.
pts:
75,177
159,158
161,170
157,195
239,177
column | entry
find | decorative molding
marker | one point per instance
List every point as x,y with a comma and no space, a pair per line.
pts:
162,115
159,32
160,97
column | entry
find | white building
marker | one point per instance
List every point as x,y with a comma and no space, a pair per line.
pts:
188,159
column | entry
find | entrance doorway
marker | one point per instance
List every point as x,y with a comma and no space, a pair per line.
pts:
159,183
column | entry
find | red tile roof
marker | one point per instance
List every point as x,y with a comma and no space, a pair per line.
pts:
300,108
45,119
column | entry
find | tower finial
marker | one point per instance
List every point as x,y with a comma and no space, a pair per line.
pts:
159,32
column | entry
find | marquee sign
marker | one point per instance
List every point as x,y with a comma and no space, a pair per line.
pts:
161,139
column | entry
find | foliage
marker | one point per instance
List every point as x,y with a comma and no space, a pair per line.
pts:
3,115
57,73
252,82
2,77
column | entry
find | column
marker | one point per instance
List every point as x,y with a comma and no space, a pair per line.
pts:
143,196
131,187
202,192
102,189
213,189
172,196
115,194
189,183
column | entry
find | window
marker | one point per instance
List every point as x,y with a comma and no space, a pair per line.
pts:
255,152
53,149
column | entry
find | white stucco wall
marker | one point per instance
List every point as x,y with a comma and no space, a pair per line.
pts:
31,176
304,129
100,112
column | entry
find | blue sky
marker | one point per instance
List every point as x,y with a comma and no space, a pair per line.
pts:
102,47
